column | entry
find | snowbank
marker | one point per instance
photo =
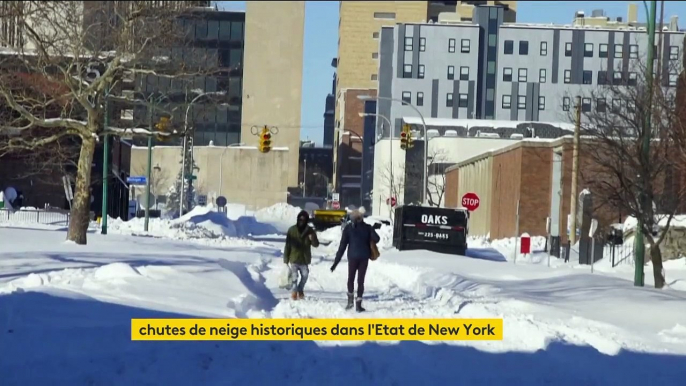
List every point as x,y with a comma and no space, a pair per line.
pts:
281,216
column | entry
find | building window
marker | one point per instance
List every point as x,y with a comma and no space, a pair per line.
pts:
384,15
451,72
464,73
673,52
420,99
544,48
602,77
451,45
673,79
587,77
588,50
541,103
407,71
466,44
408,44
422,44
631,106
616,105
509,47
491,67
407,97
565,104
449,100
568,76
586,104
374,77
523,47
375,35
542,75
420,73
633,79
633,51
375,55
616,78
492,40
463,101
493,13
602,51
522,75
507,74
521,102
619,51
601,105
507,102
568,49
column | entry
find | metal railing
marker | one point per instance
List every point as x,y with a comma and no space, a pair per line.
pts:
35,216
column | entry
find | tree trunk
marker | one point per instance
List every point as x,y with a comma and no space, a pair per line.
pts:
656,257
80,210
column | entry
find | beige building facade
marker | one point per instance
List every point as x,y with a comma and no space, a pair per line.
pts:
273,75
241,174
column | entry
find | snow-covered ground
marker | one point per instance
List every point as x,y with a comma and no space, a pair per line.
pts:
65,310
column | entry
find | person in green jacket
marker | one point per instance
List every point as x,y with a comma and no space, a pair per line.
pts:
299,238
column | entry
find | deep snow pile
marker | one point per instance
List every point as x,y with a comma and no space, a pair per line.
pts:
200,223
281,216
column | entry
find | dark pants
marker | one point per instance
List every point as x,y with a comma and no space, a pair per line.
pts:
358,266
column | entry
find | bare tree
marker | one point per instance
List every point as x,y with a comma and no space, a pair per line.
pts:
618,168
393,181
77,58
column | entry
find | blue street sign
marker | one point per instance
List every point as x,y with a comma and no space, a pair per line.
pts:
136,180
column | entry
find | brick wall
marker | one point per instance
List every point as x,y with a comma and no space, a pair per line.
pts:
350,145
535,193
506,186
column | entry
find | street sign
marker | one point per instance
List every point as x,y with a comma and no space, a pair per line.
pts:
221,201
191,177
471,201
136,180
391,201
335,196
336,205
593,228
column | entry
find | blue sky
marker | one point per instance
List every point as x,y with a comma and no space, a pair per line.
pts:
321,37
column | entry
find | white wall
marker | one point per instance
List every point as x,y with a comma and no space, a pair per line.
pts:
448,149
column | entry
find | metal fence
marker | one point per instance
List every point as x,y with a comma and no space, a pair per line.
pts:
621,254
35,216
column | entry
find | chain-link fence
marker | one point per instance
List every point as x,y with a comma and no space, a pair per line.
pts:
35,216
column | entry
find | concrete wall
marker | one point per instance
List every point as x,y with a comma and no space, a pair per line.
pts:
242,174
273,73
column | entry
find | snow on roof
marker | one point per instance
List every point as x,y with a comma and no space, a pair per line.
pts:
481,123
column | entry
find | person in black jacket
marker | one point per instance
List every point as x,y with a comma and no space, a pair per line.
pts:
356,238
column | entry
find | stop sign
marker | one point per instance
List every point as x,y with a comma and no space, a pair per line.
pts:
470,201
336,205
391,201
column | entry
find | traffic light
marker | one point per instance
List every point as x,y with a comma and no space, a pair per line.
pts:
405,137
265,140
163,126
410,140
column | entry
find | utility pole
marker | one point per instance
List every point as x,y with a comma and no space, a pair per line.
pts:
148,171
105,164
645,202
575,172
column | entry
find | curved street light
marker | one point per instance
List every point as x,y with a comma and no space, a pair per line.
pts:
426,142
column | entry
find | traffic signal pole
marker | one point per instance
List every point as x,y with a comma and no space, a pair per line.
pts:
105,165
639,244
148,173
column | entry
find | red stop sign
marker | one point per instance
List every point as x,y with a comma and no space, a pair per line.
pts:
391,201
336,205
470,201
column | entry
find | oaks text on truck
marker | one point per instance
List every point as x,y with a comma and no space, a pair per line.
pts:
441,230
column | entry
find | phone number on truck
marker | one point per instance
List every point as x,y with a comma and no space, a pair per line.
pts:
437,236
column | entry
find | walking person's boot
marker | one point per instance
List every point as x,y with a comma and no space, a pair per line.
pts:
358,305
301,295
294,295
350,302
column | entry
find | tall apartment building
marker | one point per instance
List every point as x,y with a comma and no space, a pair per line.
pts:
488,69
359,32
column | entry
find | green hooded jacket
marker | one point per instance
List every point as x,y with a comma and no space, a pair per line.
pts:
297,249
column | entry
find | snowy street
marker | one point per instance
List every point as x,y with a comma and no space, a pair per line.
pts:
65,314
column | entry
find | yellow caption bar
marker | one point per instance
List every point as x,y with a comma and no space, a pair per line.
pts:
316,329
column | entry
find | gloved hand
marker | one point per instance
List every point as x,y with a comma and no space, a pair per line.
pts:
333,267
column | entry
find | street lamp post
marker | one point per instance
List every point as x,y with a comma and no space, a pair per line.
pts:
426,142
361,162
185,141
390,128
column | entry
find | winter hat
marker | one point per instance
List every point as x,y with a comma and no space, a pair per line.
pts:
357,215
303,213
